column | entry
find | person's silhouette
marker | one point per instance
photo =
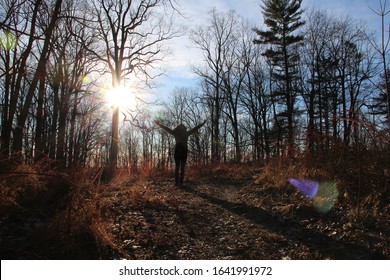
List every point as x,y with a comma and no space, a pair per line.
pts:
181,148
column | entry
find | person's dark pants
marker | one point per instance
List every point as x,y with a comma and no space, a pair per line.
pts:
180,163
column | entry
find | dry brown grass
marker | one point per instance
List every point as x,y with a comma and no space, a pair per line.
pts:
277,171
75,212
46,215
359,174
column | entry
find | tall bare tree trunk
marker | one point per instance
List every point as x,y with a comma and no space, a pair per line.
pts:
39,75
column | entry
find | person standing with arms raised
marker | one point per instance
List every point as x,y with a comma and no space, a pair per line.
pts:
181,135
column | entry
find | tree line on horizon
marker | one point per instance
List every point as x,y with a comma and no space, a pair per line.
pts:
305,83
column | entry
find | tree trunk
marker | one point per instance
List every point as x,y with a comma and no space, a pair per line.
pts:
39,75
39,129
16,88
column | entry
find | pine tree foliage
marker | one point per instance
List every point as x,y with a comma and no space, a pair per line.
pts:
283,19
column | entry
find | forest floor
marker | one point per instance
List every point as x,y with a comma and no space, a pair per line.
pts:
217,216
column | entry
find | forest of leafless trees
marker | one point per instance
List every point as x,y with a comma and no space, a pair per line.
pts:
57,55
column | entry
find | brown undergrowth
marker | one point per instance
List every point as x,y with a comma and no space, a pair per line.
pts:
225,211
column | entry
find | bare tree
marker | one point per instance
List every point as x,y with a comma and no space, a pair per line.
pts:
255,100
70,69
215,42
338,63
15,57
38,76
130,35
383,49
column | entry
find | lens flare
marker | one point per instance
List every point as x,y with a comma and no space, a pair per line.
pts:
85,80
159,116
326,196
8,41
308,188
323,195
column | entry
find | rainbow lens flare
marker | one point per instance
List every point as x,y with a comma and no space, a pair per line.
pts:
8,41
326,196
323,195
308,188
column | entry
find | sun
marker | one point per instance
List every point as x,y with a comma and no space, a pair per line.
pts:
121,96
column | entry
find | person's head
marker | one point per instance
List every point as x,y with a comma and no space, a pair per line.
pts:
181,128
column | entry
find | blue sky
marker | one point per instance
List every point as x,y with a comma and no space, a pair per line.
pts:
196,13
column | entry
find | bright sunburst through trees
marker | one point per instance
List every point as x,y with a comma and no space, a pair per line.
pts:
305,82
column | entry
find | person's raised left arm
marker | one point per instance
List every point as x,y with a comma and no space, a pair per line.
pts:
196,128
167,129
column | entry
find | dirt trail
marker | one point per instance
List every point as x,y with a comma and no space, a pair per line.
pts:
225,220
212,217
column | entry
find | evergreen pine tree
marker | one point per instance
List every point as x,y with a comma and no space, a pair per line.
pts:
283,19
